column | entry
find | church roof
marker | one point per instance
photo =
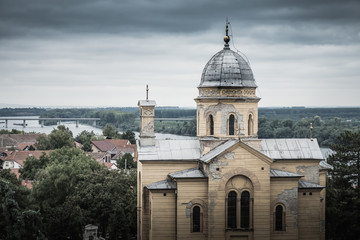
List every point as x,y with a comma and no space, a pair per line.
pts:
227,69
188,173
190,150
303,185
218,150
274,173
325,165
165,184
291,148
171,150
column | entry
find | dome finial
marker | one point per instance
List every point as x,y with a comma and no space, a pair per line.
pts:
227,38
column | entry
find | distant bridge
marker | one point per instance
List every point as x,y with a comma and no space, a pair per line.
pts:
42,120
171,119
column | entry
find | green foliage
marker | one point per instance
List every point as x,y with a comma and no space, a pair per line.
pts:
18,218
187,128
58,138
13,131
32,165
126,162
326,132
343,192
85,138
114,116
108,199
6,112
74,190
110,131
129,135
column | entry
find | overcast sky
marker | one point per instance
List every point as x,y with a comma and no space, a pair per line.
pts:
103,52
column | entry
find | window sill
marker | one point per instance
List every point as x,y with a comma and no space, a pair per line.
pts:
239,229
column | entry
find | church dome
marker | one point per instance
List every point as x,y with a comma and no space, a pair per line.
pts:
227,69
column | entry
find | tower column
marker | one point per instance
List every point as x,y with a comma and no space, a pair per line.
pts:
147,114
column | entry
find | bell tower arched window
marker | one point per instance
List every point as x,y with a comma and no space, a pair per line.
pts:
231,124
245,210
231,209
250,125
211,124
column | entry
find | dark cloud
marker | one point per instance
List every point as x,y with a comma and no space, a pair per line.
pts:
285,20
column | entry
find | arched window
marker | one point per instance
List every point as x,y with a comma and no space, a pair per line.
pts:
211,125
279,218
231,209
250,125
196,219
231,124
245,210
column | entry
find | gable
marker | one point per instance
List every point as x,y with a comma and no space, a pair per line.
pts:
230,146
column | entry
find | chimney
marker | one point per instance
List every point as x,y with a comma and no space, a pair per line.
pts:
147,114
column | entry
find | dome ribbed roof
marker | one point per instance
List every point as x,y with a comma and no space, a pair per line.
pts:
227,69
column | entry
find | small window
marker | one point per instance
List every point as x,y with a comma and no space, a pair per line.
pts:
211,125
231,124
245,209
231,211
250,125
196,220
279,218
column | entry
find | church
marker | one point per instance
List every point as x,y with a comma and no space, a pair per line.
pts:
227,183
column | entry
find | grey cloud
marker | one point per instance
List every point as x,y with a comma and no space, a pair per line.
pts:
43,17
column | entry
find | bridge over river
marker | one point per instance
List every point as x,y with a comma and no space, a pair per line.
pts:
42,120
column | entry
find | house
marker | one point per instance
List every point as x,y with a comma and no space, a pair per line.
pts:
16,159
18,141
228,183
115,148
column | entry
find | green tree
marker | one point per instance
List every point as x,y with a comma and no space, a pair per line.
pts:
74,190
108,199
110,131
58,138
18,218
129,135
126,162
32,165
85,138
56,182
343,192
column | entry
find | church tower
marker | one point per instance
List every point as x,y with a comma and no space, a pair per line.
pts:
227,105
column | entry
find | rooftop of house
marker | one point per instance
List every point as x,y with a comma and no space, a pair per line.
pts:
112,144
16,172
7,140
20,156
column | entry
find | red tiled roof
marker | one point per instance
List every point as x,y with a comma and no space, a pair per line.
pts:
78,145
16,172
15,139
27,183
98,155
23,145
103,145
110,144
119,142
107,164
20,156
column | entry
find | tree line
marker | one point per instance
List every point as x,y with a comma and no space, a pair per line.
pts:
70,190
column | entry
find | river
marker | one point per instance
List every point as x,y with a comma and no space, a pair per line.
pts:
34,126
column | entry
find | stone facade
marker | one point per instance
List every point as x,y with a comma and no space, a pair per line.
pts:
228,184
